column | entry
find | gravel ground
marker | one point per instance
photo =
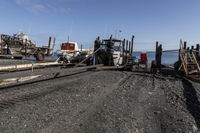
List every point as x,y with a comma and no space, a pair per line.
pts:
102,101
5,62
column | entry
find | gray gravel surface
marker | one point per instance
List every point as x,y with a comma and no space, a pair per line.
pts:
5,62
102,102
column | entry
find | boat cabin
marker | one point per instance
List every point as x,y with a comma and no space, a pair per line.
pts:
69,46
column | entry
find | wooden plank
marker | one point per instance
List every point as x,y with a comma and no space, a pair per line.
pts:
183,61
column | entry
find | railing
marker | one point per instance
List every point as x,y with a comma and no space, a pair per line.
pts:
195,60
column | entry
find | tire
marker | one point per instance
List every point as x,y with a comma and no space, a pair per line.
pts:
40,56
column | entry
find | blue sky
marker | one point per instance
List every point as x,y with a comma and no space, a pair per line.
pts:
165,21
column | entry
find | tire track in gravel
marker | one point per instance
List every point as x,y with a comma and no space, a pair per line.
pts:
125,110
12,98
174,115
77,117
104,107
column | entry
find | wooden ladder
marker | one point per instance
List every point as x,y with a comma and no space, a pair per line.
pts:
189,62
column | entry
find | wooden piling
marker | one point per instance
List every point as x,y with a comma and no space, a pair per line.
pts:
192,47
126,51
1,45
26,41
191,50
184,45
158,55
179,51
197,52
197,47
129,48
156,50
123,51
49,46
132,41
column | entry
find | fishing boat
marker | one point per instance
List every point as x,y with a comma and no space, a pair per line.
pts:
69,48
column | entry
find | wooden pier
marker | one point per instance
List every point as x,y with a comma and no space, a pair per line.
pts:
189,58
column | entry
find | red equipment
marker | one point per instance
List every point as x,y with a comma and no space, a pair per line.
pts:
143,58
68,46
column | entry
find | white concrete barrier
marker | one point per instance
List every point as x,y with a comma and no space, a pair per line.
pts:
26,66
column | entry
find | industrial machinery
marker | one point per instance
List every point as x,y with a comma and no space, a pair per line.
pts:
17,46
113,52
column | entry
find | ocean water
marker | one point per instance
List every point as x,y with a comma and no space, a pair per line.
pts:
167,57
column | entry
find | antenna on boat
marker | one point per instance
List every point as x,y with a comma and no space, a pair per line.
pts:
68,38
118,33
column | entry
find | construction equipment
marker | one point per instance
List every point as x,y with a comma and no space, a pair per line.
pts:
17,47
113,52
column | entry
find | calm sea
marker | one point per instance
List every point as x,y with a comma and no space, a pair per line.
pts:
167,57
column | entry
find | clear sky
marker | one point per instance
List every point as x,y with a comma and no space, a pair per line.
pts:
165,21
